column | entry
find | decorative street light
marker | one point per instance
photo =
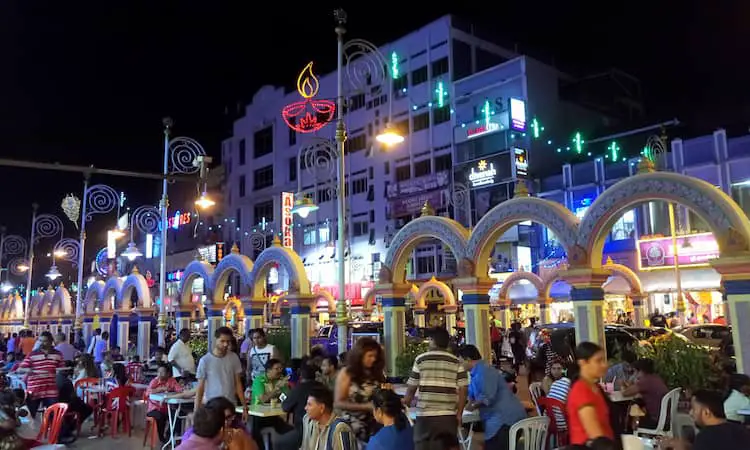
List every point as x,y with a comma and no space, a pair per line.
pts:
10,245
66,249
459,197
146,219
42,226
366,71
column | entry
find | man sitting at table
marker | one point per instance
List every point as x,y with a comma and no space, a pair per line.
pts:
42,367
268,386
651,388
162,384
323,429
489,393
707,410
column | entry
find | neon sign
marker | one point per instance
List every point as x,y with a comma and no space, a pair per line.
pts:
287,221
308,115
484,175
517,114
482,129
179,219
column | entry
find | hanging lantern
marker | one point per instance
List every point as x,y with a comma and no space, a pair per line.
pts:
71,206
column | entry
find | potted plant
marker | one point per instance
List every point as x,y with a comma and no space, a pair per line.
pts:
405,360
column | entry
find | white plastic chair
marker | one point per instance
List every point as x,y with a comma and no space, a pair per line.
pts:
668,410
536,391
533,430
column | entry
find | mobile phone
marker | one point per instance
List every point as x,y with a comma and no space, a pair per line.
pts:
282,397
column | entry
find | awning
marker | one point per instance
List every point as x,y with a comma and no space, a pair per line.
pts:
703,279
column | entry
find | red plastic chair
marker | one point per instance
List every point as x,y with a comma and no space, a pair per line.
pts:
135,372
553,409
52,421
93,400
117,410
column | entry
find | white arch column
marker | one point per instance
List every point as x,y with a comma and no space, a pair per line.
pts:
476,303
639,308
587,295
215,316
254,313
144,333
300,309
123,331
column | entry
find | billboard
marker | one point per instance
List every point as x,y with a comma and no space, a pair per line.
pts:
693,250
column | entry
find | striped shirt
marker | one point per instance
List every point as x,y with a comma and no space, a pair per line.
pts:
42,367
336,434
438,375
559,391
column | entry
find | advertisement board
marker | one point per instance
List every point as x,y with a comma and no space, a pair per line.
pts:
693,250
287,221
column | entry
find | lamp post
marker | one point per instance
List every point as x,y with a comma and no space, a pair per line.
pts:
182,153
42,226
66,249
147,219
10,245
366,72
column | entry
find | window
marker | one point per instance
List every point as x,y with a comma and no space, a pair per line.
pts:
238,218
263,142
624,228
400,84
421,168
441,115
357,102
242,186
324,195
443,163
402,126
356,143
425,264
324,234
242,150
263,211
292,132
403,173
461,59
387,167
421,121
293,168
359,186
440,67
308,235
419,76
263,178
360,228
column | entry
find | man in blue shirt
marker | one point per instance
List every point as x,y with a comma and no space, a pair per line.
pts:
489,393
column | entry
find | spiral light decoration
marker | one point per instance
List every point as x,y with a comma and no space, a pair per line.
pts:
16,264
101,199
100,262
183,151
146,218
14,245
460,195
257,240
46,226
366,67
69,248
320,155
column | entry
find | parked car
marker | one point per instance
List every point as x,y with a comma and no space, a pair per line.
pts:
708,334
327,337
646,333
563,340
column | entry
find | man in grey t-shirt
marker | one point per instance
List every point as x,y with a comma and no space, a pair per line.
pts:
219,373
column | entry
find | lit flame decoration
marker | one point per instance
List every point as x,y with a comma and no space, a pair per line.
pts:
71,206
308,115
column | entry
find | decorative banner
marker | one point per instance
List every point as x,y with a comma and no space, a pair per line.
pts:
287,221
417,185
693,250
412,205
308,115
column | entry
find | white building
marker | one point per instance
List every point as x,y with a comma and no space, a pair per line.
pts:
387,187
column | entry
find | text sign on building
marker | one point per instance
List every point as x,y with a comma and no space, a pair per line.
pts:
287,222
482,174
481,130
521,162
693,250
212,254
179,219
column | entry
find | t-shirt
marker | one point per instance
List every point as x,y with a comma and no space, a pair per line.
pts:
725,436
181,354
389,438
582,394
42,379
258,357
438,375
219,375
652,390
735,402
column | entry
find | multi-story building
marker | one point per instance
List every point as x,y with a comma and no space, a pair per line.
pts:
439,71
642,238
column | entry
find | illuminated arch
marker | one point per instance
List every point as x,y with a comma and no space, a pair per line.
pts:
443,229
234,303
45,305
194,270
138,282
110,299
63,301
727,221
319,293
94,295
231,263
556,217
288,260
433,283
514,278
626,273
17,308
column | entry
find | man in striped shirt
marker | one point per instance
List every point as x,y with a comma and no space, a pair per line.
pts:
41,366
442,383
321,428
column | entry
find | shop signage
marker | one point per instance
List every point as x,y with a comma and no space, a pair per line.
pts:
287,222
517,114
693,250
179,219
521,161
212,254
413,204
486,128
483,174
417,185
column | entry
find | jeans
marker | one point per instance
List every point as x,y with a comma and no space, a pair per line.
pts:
436,433
499,441
161,423
34,403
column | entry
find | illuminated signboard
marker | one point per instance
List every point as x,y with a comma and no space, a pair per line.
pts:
489,127
517,114
212,254
694,250
483,174
521,162
287,222
179,219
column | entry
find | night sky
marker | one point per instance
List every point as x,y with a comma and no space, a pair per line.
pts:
89,84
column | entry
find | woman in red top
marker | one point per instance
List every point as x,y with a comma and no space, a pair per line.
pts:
588,412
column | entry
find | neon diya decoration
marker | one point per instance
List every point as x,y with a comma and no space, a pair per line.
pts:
308,115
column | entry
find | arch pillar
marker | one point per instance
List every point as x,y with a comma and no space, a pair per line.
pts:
420,321
254,313
88,329
105,320
639,308
545,312
123,332
735,275
183,315
144,332
587,295
394,322
300,305
501,312
450,318
215,316
476,303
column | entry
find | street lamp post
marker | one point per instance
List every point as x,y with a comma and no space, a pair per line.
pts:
42,226
183,153
10,245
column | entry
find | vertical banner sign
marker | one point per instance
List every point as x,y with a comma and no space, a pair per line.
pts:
287,223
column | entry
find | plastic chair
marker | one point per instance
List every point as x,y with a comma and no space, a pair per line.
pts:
93,400
536,391
667,416
116,409
151,431
558,422
52,421
533,430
